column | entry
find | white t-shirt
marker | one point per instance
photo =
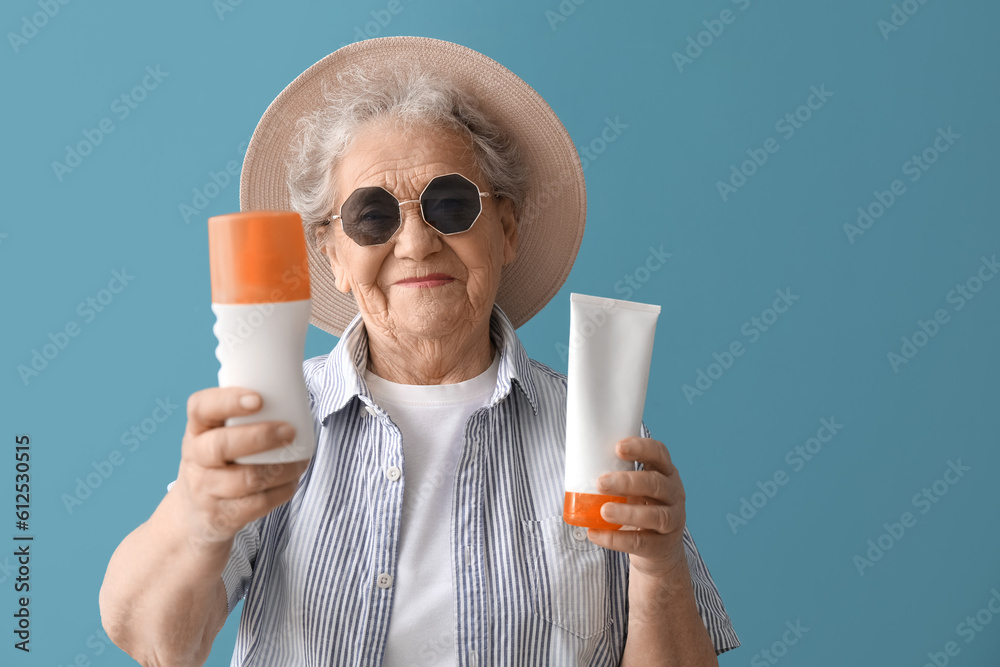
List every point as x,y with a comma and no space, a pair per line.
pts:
431,419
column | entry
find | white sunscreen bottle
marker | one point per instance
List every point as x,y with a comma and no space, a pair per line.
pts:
261,301
610,351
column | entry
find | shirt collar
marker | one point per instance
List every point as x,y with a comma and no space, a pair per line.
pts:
341,376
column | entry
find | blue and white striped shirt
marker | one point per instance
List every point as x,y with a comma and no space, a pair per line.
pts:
529,589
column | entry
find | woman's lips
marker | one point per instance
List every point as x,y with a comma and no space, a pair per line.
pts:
430,280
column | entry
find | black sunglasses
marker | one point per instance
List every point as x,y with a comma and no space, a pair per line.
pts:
451,204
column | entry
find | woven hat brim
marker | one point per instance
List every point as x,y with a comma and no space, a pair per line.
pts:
551,222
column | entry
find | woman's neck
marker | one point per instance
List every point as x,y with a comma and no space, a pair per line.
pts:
446,360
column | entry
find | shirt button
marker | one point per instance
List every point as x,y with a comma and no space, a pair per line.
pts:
393,473
384,580
370,410
579,534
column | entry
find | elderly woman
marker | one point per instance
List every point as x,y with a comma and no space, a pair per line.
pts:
444,206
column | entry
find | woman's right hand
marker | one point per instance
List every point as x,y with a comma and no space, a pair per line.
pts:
163,599
216,496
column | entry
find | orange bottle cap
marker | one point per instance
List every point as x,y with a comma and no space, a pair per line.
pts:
584,509
258,257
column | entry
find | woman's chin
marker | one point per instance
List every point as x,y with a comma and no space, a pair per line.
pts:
429,316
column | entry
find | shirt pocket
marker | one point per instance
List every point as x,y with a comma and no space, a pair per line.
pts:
568,577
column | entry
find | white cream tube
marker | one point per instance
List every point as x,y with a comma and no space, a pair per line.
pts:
610,350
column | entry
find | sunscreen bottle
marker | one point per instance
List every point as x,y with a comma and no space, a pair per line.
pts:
610,350
260,297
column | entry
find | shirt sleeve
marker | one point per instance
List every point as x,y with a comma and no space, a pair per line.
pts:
238,571
239,568
710,608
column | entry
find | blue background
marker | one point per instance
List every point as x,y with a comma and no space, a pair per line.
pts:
655,184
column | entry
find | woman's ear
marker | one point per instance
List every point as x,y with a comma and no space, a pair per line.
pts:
508,222
327,243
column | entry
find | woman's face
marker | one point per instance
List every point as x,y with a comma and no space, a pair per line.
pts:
403,162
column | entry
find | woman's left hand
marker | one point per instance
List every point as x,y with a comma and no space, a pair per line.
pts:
653,518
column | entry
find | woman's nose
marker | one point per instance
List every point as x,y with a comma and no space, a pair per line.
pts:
415,238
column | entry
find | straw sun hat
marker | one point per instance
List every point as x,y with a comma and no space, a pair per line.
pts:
550,226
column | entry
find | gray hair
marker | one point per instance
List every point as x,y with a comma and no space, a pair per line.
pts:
411,95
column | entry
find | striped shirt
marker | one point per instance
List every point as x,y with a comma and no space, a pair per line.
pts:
317,572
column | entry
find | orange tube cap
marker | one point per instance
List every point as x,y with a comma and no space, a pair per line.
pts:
258,257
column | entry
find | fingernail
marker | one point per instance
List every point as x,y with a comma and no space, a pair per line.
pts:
604,483
285,432
250,401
